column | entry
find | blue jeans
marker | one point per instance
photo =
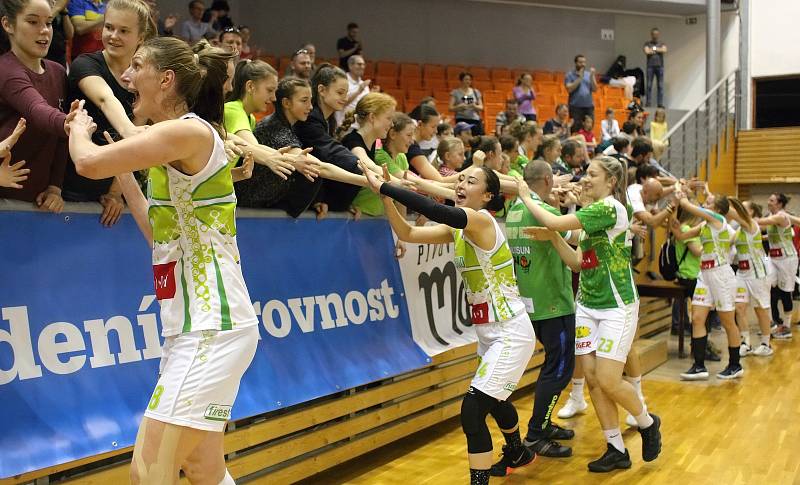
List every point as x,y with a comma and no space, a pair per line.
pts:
659,74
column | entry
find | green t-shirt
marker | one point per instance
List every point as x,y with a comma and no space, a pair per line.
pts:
545,282
367,201
606,276
517,168
236,119
690,267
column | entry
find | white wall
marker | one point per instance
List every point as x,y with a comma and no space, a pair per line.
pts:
685,63
774,37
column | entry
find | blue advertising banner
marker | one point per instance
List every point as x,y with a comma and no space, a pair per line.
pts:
79,325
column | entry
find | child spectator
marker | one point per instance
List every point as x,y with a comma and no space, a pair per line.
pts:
588,135
32,88
609,127
450,154
659,127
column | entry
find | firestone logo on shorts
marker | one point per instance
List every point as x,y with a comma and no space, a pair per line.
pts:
217,412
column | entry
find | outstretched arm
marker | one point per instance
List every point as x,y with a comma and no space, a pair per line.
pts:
700,212
551,221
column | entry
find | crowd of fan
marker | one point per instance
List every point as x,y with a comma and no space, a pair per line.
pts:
326,118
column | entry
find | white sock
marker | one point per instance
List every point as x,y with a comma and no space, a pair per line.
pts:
636,382
644,420
227,479
787,319
765,339
577,389
614,437
746,337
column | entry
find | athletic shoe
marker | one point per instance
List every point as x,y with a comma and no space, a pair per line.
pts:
782,333
612,459
763,350
549,448
730,372
744,350
651,439
556,432
573,407
512,458
696,373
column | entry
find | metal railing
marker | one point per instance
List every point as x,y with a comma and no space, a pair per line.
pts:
698,132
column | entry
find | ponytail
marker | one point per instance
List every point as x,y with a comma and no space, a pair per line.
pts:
497,202
740,209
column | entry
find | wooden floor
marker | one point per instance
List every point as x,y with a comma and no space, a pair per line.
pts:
714,432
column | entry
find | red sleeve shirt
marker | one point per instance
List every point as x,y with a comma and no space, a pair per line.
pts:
38,98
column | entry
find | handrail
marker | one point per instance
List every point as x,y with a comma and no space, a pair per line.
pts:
708,95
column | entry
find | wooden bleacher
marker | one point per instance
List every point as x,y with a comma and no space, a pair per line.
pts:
760,151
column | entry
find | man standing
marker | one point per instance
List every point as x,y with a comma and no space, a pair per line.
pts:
349,45
654,49
357,87
581,84
545,284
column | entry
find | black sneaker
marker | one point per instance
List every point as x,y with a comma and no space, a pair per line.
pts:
512,458
696,373
612,459
556,432
651,439
729,372
549,448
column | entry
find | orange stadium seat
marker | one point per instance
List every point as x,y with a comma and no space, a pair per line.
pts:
271,60
410,82
545,112
493,96
501,74
479,73
442,98
408,69
482,84
417,94
543,76
386,81
386,69
453,71
283,63
433,71
369,69
505,86
435,84
548,87
519,71
398,94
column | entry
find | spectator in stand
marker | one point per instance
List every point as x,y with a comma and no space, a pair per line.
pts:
560,124
429,101
510,146
395,146
444,129
550,152
87,18
588,135
581,84
212,37
194,29
529,136
659,127
218,17
609,127
425,130
463,131
641,151
637,117
63,30
374,114
357,87
523,93
349,45
300,65
312,53
620,148
467,103
490,146
165,26
505,118
450,153
97,79
573,157
11,176
654,49
246,52
33,88
231,40
329,95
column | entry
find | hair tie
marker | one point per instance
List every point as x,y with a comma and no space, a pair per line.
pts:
196,59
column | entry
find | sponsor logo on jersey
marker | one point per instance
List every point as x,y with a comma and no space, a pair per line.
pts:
583,345
217,412
582,332
510,386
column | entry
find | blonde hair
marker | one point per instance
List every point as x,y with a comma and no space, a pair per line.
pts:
662,112
446,145
147,27
659,147
615,169
372,103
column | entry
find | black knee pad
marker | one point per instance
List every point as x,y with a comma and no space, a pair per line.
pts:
474,408
786,298
505,414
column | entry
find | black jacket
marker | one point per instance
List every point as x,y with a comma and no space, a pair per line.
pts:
317,133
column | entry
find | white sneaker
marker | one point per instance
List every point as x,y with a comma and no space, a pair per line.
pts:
744,350
573,407
763,350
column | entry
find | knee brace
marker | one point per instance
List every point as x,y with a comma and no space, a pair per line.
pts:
474,408
786,298
505,414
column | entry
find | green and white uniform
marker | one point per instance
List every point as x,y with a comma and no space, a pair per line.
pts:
716,285
782,256
608,303
207,317
545,282
751,277
505,334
